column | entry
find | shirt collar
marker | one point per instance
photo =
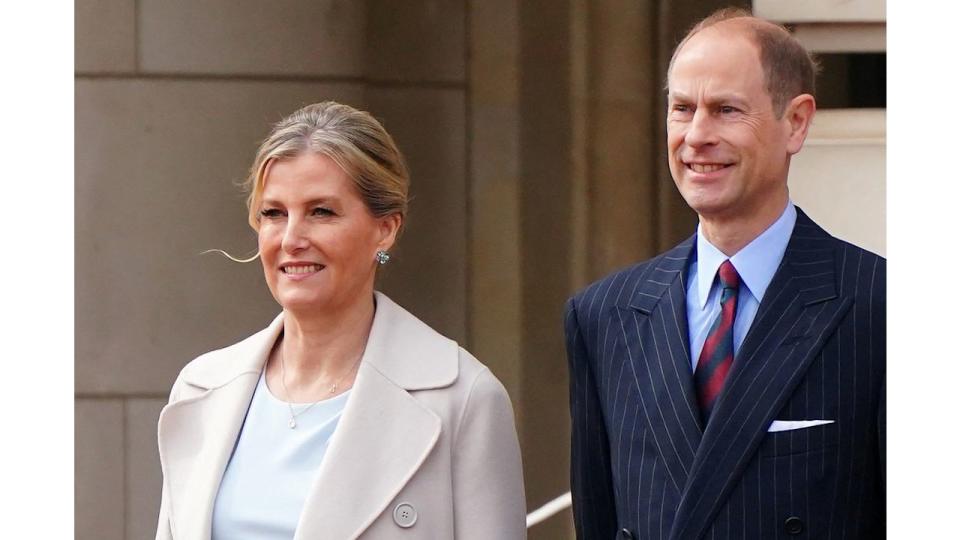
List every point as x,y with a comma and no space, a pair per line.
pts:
756,263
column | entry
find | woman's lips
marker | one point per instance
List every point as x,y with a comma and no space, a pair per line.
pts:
300,271
301,268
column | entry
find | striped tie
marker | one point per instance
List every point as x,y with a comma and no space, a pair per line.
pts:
717,354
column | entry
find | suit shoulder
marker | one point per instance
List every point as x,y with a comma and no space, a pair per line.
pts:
862,270
858,251
614,288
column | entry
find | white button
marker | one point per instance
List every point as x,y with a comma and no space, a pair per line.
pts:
405,515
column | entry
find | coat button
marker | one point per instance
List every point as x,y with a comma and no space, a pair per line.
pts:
793,525
405,515
625,534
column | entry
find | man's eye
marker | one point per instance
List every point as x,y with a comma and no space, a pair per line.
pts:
680,108
727,109
323,212
271,213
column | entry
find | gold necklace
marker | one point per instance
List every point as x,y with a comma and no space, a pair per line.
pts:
292,423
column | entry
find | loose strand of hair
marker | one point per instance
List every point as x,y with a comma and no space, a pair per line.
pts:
231,257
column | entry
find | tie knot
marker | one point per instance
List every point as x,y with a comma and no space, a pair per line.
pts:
729,278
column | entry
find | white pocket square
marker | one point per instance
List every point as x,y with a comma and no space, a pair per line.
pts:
788,425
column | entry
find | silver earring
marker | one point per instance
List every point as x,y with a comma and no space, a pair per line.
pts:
383,257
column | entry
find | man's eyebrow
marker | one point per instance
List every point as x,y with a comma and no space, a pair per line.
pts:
713,99
727,97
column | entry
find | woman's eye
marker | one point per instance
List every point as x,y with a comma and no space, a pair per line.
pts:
271,213
323,212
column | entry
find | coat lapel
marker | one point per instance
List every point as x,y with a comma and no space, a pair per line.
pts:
799,312
654,332
196,435
384,436
385,433
369,459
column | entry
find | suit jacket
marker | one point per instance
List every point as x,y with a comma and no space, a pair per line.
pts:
426,425
644,465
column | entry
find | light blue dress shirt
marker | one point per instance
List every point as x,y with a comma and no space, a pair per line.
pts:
756,263
272,467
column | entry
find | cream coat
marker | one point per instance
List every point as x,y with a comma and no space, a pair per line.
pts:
426,424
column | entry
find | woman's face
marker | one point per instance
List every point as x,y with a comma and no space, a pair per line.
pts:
317,238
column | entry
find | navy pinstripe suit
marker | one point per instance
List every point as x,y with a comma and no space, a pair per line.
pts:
642,460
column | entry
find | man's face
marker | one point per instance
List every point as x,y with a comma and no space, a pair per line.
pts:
728,151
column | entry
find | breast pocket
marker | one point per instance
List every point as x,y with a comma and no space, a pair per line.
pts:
799,441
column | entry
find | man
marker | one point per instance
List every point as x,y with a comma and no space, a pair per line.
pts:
733,387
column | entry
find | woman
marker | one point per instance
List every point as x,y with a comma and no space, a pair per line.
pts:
346,417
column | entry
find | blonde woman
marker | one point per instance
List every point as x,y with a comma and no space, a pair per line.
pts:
347,416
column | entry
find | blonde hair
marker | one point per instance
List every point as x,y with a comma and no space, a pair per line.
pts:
353,139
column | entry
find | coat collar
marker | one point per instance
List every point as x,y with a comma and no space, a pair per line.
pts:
428,365
368,460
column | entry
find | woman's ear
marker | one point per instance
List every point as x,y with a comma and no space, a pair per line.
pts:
389,226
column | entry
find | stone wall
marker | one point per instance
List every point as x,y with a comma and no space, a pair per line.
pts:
533,130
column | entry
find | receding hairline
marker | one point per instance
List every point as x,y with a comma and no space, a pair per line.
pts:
744,26
788,67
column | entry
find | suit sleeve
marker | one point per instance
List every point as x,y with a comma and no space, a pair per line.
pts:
882,435
594,510
489,500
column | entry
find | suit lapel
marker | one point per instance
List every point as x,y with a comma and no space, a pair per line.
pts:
369,460
799,312
654,333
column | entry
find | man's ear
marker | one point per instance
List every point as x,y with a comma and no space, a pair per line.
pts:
798,116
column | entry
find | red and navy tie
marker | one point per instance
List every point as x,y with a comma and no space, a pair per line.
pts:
717,354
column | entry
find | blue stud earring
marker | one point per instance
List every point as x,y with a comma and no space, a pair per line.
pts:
383,257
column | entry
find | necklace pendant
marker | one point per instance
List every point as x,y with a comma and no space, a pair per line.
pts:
292,423
333,388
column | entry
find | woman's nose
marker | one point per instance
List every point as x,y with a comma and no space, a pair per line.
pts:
294,236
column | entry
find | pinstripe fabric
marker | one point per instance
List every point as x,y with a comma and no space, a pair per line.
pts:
641,459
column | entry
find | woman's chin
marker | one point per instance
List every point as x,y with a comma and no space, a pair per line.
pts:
301,303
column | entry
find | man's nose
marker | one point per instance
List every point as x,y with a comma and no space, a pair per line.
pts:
701,130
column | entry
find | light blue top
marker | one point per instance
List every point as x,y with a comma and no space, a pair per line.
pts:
756,263
272,467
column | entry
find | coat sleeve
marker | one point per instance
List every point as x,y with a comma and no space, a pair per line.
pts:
594,510
488,493
164,532
163,524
